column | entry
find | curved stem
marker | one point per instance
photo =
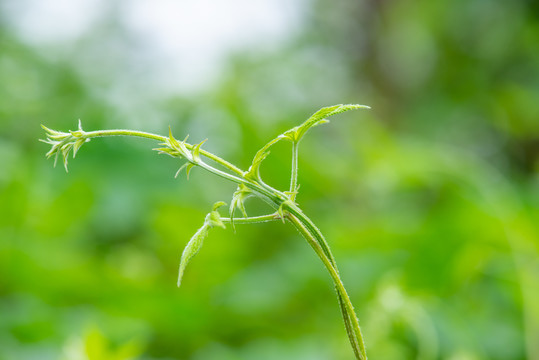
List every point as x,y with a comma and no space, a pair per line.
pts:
269,194
315,239
278,200
143,134
316,233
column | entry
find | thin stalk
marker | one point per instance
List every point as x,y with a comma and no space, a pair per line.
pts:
347,310
313,229
294,175
252,219
122,132
220,173
273,196
349,315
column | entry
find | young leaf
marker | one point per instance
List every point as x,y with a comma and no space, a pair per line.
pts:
254,170
51,132
217,205
66,148
295,134
79,132
214,217
187,166
215,220
167,150
172,140
238,201
188,169
192,248
195,244
78,145
178,146
196,151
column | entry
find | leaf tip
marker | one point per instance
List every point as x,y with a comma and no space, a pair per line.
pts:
179,282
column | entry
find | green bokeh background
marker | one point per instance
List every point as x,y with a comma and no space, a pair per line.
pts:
430,200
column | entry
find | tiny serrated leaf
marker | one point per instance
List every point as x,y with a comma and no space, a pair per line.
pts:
188,168
347,107
173,142
196,150
238,201
59,137
292,194
217,205
180,170
215,220
195,244
65,153
52,151
167,151
254,170
232,211
192,248
50,131
241,206
178,147
314,120
253,173
280,212
78,145
57,153
318,118
240,195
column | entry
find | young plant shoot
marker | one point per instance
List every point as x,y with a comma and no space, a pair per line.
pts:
282,203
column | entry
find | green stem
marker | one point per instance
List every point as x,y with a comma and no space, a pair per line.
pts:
279,201
122,132
313,229
315,239
252,219
220,173
270,195
294,175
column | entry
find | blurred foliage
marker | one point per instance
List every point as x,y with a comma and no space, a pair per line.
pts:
430,200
